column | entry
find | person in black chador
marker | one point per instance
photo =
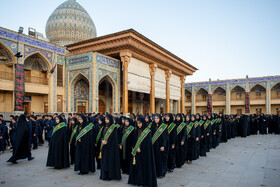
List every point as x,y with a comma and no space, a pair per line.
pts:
85,140
208,133
22,141
142,169
160,145
262,124
110,160
204,128
100,125
197,135
191,139
181,144
58,155
125,144
214,131
73,125
172,133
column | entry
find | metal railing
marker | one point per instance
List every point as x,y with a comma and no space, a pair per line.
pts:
6,75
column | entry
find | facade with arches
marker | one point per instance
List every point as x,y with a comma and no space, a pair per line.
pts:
120,72
236,96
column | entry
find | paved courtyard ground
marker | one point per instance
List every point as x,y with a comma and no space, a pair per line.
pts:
251,161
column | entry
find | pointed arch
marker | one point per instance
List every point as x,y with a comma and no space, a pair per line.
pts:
257,85
8,52
200,90
276,84
109,78
49,65
219,87
78,77
237,86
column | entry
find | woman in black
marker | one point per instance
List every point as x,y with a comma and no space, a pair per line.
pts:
58,156
85,140
191,139
73,125
125,144
160,145
142,166
181,144
172,133
100,124
204,128
22,141
110,160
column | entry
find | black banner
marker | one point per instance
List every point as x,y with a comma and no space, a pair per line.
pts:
19,87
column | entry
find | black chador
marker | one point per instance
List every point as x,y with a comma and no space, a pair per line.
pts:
143,169
208,133
191,139
110,160
72,138
160,145
204,128
101,123
262,124
125,143
22,141
197,135
224,129
181,142
85,140
58,156
172,135
214,131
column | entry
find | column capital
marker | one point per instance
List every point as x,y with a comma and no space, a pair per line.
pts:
153,69
168,74
182,80
125,58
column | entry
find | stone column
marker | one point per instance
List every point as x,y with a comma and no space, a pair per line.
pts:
125,58
153,68
228,107
167,100
182,80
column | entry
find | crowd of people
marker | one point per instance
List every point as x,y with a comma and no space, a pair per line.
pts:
145,147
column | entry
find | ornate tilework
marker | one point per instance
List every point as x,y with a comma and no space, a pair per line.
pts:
29,50
31,41
11,45
252,84
242,85
213,87
204,87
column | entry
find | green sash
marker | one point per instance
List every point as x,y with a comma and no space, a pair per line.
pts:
126,134
138,143
99,134
180,127
171,127
118,126
159,132
84,131
206,124
201,122
73,133
213,121
150,125
189,127
196,124
107,135
59,126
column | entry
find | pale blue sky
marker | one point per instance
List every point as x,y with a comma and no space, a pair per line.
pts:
224,39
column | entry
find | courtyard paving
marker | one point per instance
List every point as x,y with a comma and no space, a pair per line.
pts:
251,161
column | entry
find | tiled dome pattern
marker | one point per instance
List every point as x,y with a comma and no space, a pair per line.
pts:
69,23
